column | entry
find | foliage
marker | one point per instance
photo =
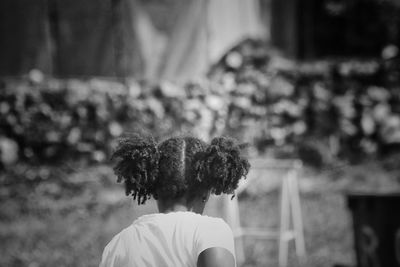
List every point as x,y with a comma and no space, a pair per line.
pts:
337,108
332,109
55,119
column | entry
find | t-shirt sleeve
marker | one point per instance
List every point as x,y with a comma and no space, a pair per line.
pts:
114,254
214,233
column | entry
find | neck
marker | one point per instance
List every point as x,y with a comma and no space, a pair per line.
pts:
166,206
172,207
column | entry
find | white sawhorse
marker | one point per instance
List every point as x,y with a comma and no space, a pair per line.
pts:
291,223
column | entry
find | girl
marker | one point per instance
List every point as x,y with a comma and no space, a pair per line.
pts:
180,173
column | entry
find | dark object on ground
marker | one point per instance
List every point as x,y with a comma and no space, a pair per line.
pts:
376,220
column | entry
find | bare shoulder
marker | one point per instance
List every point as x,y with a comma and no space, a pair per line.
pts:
216,257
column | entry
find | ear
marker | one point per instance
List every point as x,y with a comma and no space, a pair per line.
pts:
206,196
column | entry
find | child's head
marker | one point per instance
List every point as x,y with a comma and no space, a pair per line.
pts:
179,167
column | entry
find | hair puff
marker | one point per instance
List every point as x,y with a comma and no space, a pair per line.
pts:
137,165
221,166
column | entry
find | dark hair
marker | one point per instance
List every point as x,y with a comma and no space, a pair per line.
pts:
177,166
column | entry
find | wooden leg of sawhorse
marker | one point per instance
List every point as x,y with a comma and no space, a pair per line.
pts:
290,212
297,217
284,225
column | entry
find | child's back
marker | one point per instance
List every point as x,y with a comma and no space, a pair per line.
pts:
171,239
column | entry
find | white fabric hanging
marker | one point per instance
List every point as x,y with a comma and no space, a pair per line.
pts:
205,29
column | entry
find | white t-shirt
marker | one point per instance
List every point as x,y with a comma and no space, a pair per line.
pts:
174,239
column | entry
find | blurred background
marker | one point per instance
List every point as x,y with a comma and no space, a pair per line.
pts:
315,80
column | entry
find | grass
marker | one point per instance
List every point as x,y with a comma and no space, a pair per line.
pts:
48,224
